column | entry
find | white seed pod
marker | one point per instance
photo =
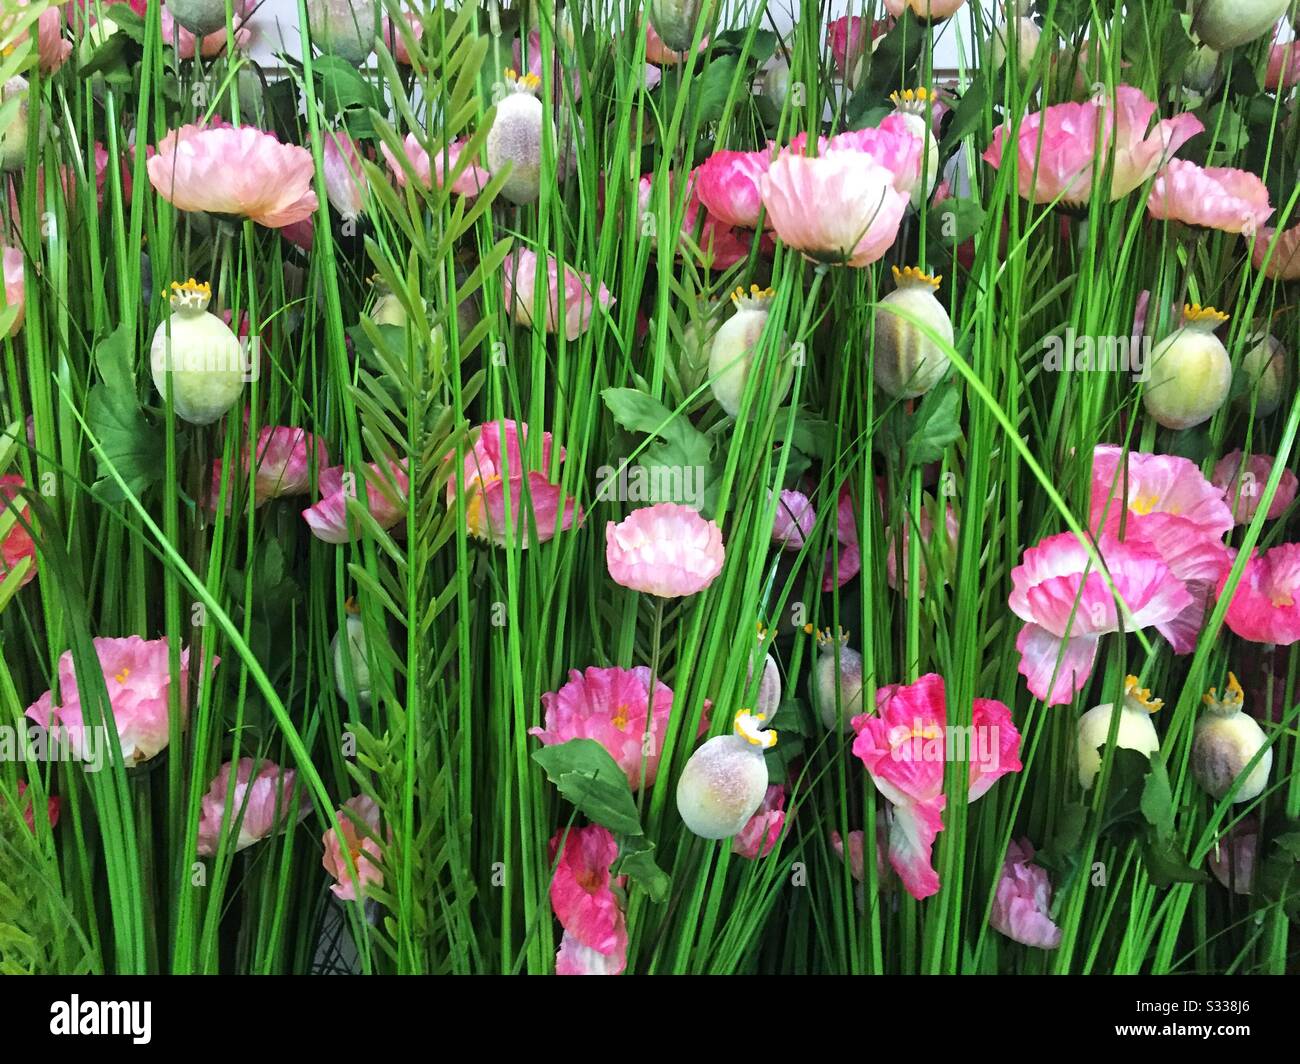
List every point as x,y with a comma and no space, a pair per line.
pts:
1190,372
1027,35
350,640
731,354
1224,24
1263,374
516,138
724,782
200,17
13,138
769,687
345,28
776,82
1227,740
914,106
1135,731
201,356
907,363
838,675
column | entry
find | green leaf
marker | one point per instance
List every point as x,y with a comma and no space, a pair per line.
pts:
934,426
587,776
128,442
1157,803
951,222
967,115
1167,865
342,86
636,859
714,86
638,412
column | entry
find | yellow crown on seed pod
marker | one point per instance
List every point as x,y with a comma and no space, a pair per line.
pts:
1194,312
190,294
749,728
1141,696
755,294
1233,697
916,275
914,101
351,605
826,637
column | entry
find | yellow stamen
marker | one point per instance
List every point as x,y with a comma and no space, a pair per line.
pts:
620,717
916,275
121,677
1194,312
1141,696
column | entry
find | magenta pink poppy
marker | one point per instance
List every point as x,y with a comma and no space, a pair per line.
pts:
1217,197
494,477
666,550
284,460
843,562
259,804
727,184
567,307
761,833
582,893
1243,480
707,240
17,545
1264,607
385,496
52,806
358,821
429,170
1022,901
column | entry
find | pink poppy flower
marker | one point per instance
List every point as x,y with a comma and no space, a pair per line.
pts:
666,550
17,544
363,845
300,234
794,522
838,572
581,295
1280,250
1067,606
394,40
242,172
1263,607
1023,900
720,246
903,746
493,479
899,581
581,890
536,60
211,45
329,518
29,813
469,182
1234,201
892,144
759,836
1057,150
841,208
611,706
1243,484
659,53
137,673
1283,66
847,39
857,855
573,958
1232,857
283,464
727,184
15,285
52,47
259,805
345,180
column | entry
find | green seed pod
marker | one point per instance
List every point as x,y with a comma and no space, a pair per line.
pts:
724,782
1263,375
345,28
200,17
13,138
1135,731
674,21
516,138
908,363
731,354
1227,740
1191,373
201,356
350,639
838,675
1224,24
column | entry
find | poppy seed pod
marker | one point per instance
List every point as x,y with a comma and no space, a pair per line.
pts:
350,640
724,782
731,355
675,21
1190,372
1226,24
200,17
838,681
915,107
776,82
345,28
516,138
1263,375
1227,740
1135,730
13,138
907,362
769,684
200,355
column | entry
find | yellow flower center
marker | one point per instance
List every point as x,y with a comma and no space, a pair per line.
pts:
1143,505
121,677
476,518
1282,597
620,717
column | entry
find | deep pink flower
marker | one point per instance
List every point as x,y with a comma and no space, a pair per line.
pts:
1283,66
610,706
15,285
283,464
892,144
727,184
363,845
1243,484
1284,262
720,246
242,172
847,39
1057,150
494,475
17,544
581,890
1023,900
838,572
581,295
794,522
469,182
759,836
666,550
345,178
29,813
1234,201
573,958
137,673
329,518
1263,607
1067,606
904,746
262,800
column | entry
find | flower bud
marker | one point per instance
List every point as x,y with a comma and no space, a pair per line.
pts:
837,678
350,639
776,82
1027,36
200,17
1190,372
1262,375
769,685
1227,740
1224,24
724,782
915,107
13,138
674,21
516,138
731,355
201,356
345,28
1135,730
907,362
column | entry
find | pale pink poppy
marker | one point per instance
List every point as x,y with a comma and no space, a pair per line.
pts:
242,172
329,519
611,706
581,294
17,544
581,889
1281,250
727,184
137,673
892,144
573,958
720,245
761,833
394,40
283,464
259,804
52,806
903,746
794,522
856,851
1283,66
494,476
1234,201
952,529
1232,857
52,47
1067,606
1023,899
469,182
666,550
1264,607
363,844
1058,150
1243,483
15,286
214,43
842,208
345,177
